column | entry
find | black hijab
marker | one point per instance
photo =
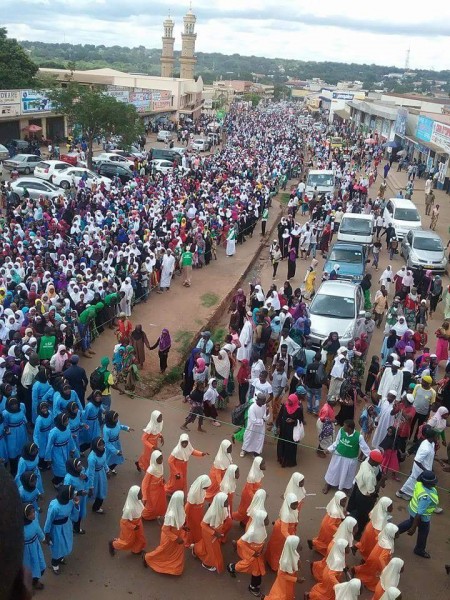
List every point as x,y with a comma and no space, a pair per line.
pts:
30,451
95,446
111,418
28,480
59,421
71,466
65,494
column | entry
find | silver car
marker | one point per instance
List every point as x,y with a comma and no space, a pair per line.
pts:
424,249
337,306
35,187
23,163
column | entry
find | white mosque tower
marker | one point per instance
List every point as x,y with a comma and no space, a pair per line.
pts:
188,37
168,42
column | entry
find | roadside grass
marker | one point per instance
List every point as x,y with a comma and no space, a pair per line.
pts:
218,335
284,197
183,338
209,299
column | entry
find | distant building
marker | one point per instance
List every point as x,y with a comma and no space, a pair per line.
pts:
167,55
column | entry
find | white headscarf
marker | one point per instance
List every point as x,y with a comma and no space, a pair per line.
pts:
217,512
175,515
391,594
336,558
345,530
197,491
334,508
259,294
379,513
255,474
153,427
228,483
293,486
222,364
257,502
256,533
437,421
390,575
223,458
408,366
133,507
386,537
154,468
290,557
288,514
349,590
180,452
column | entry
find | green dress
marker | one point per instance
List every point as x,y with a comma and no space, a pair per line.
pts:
239,435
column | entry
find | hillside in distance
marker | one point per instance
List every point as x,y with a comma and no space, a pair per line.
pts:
212,66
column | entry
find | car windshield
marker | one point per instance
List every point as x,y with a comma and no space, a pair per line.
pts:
356,226
406,214
431,244
341,255
336,307
320,179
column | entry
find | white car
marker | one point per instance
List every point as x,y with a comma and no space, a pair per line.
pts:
163,166
111,157
36,188
73,174
164,136
47,168
180,150
201,145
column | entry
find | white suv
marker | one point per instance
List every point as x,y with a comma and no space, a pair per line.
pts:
47,168
164,136
201,145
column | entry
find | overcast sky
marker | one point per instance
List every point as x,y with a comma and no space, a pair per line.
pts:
346,31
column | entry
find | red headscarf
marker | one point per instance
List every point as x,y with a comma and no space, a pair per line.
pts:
292,404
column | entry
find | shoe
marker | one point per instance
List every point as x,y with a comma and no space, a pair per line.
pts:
254,591
38,585
100,511
212,569
111,548
423,554
80,531
438,510
242,454
230,569
113,471
310,544
403,496
137,466
216,424
56,570
62,561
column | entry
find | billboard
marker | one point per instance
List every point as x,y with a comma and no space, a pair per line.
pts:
424,129
441,136
343,96
400,122
34,101
9,103
140,100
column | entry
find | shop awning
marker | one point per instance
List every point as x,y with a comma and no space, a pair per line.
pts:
342,114
429,145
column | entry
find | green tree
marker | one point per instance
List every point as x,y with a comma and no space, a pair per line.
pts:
253,98
96,114
17,70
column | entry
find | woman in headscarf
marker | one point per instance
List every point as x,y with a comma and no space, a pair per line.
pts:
348,590
370,571
14,422
28,463
126,302
130,374
287,574
153,491
291,413
178,462
222,461
111,434
325,239
257,298
151,438
400,327
443,337
210,399
285,525
163,343
388,346
228,486
436,291
379,517
139,341
131,535
208,549
124,329
389,578
330,523
33,556
58,528
97,471
252,485
76,477
168,557
188,373
59,359
344,531
331,345
332,573
194,508
222,368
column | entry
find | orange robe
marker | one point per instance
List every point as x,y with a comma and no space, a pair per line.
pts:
327,529
318,566
168,557
246,497
283,587
131,536
216,476
149,443
194,517
154,496
370,571
249,563
178,467
325,589
368,540
379,591
229,521
280,532
209,548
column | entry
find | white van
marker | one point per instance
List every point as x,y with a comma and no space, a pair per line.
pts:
356,228
403,215
322,179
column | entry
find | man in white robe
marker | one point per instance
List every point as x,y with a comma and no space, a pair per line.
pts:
385,418
392,379
167,268
245,338
256,426
423,461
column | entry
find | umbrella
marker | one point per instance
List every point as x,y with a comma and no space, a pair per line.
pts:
370,141
401,153
32,128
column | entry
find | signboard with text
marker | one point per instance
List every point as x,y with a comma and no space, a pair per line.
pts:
34,101
400,121
424,129
9,103
441,136
343,96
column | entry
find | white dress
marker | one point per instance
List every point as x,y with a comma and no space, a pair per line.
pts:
389,382
425,456
385,420
168,265
342,470
231,243
255,430
245,338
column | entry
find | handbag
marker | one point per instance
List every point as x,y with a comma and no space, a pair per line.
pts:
299,432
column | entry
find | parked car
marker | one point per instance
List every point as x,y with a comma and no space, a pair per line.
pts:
424,249
132,153
351,258
112,170
4,152
214,138
336,306
403,215
164,136
162,166
47,168
112,157
165,154
19,145
64,178
35,187
201,145
23,163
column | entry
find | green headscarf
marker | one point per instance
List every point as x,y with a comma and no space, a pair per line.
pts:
104,362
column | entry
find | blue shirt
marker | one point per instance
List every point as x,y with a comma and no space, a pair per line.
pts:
422,506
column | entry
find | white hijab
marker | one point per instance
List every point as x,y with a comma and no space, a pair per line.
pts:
391,594
334,508
437,421
293,486
256,533
345,531
390,575
153,427
223,458
336,557
217,512
222,364
228,483
154,468
255,474
133,507
197,491
379,514
290,557
386,537
257,502
180,452
349,590
288,514
175,515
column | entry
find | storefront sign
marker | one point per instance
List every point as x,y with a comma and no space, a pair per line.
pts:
400,122
141,100
424,129
9,110
33,101
441,136
9,97
342,96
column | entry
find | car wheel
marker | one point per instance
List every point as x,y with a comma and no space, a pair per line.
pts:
65,185
27,170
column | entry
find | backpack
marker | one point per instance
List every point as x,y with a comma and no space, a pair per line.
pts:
97,380
300,358
238,414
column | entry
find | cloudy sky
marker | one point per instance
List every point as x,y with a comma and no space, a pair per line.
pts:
376,32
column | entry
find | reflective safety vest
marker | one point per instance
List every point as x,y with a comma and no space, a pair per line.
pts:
420,491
